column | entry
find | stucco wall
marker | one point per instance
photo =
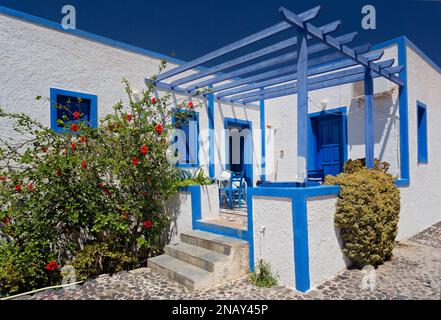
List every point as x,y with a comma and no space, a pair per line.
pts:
34,58
179,210
273,236
325,255
421,201
281,113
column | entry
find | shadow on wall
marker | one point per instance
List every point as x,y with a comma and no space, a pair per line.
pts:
174,211
386,132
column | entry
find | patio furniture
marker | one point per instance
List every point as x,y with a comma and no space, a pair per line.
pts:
315,177
235,190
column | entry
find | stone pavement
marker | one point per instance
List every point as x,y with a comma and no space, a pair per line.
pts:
413,273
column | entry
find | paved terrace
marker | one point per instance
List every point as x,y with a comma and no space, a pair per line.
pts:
413,273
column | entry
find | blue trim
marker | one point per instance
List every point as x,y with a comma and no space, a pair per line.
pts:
262,141
300,224
422,147
211,136
401,43
248,149
93,116
189,165
369,118
343,112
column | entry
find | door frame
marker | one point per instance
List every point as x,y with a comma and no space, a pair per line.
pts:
248,147
342,114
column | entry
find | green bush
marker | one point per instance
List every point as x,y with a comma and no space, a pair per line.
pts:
367,213
196,178
96,259
263,276
25,267
107,185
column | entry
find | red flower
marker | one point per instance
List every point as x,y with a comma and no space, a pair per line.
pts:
74,127
147,224
74,146
125,216
31,186
144,149
190,105
129,117
51,266
84,164
108,192
58,173
6,220
3,178
159,128
154,100
44,149
101,184
145,194
76,115
18,188
135,161
83,139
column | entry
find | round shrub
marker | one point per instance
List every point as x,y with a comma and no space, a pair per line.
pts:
367,213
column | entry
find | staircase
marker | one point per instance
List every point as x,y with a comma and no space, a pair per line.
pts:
202,260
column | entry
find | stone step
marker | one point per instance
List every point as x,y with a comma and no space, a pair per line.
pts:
197,256
213,242
192,277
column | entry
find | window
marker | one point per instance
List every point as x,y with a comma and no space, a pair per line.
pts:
186,137
69,102
422,132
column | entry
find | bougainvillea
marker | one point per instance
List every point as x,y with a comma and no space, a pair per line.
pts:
87,186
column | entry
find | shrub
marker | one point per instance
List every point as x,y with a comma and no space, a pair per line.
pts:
367,213
98,258
105,186
196,178
263,276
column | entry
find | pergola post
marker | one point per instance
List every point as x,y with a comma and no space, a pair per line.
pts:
368,117
302,105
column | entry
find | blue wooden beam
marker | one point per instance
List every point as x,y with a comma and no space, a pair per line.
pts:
369,117
295,20
331,27
325,68
319,70
302,106
263,65
277,28
314,84
290,69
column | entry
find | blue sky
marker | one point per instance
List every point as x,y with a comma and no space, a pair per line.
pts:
190,28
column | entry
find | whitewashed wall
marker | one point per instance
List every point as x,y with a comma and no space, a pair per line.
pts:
421,201
34,58
179,210
281,113
273,236
326,258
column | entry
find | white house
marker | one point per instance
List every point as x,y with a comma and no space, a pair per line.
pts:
331,104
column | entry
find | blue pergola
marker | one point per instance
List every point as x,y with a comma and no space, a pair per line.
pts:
287,72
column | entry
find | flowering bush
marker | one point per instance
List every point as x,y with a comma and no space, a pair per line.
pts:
60,193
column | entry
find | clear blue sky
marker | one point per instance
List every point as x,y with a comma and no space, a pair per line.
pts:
190,28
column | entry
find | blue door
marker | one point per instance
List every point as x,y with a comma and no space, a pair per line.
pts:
329,153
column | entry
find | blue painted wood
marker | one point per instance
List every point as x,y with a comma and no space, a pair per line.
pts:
264,64
292,18
369,117
277,28
302,105
211,135
315,71
251,56
422,133
262,140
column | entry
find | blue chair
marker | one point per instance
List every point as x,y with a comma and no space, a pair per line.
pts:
315,177
235,190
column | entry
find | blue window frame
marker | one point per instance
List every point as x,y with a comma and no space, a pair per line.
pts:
68,102
188,122
422,132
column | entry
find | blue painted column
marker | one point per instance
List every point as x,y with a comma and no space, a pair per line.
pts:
368,117
210,111
302,105
263,140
